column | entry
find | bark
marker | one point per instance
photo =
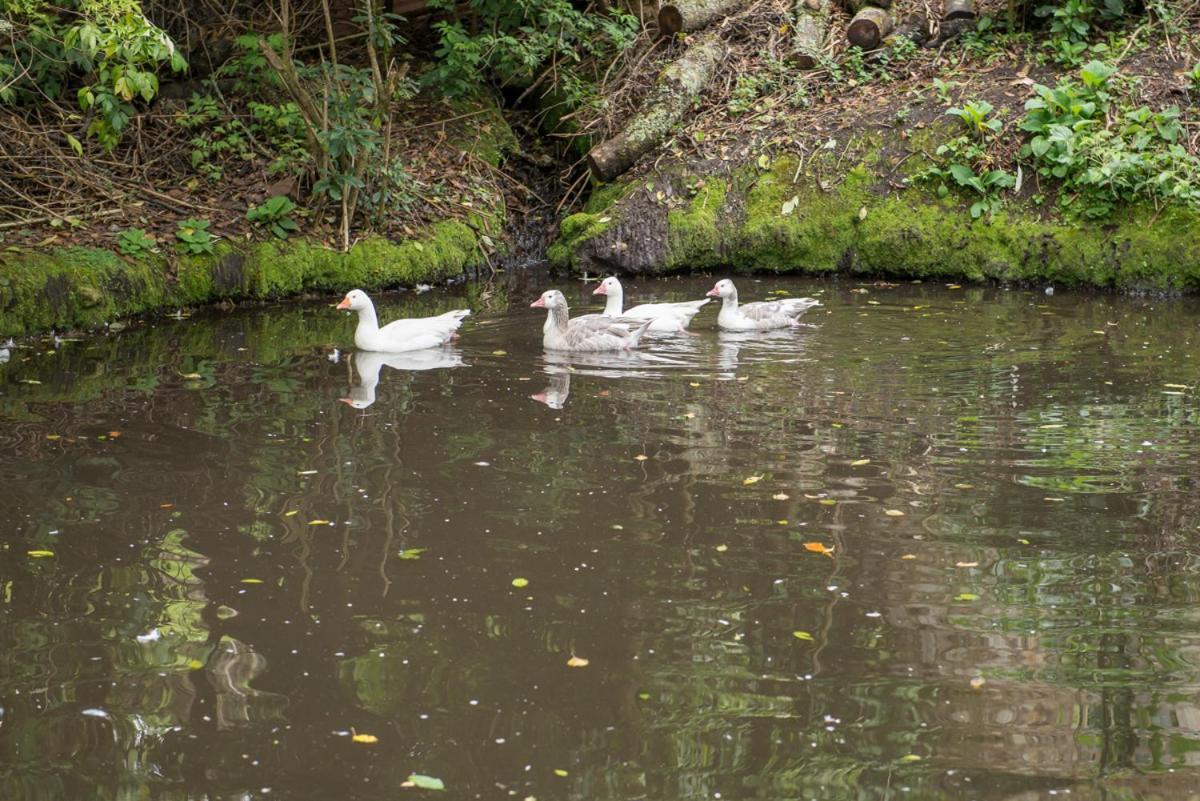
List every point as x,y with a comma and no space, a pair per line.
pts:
812,22
678,85
951,29
914,27
959,9
692,15
869,27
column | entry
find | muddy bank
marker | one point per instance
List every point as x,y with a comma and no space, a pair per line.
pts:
81,287
862,216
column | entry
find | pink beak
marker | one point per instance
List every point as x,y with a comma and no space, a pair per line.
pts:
347,401
600,290
540,303
345,304
712,293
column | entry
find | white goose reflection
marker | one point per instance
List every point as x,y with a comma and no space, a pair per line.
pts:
555,395
368,364
740,348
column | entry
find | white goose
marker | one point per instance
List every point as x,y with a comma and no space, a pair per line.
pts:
665,317
399,336
368,363
589,333
761,316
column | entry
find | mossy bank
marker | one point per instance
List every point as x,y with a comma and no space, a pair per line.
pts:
857,211
81,287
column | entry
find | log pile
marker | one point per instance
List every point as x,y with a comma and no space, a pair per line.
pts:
684,16
808,34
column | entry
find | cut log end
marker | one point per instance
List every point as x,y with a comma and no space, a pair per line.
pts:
869,27
670,21
959,9
806,61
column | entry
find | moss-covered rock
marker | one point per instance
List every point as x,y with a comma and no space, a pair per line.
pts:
87,287
862,219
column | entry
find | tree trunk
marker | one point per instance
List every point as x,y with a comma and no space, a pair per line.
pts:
692,15
855,6
869,27
812,21
959,9
677,86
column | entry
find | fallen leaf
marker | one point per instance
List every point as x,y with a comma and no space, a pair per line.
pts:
520,582
191,376
751,480
860,462
641,457
1022,540
499,353
411,553
166,506
977,682
964,486
1054,425
561,773
40,554
252,581
694,384
423,782
966,564
802,635
365,738
577,661
827,502
319,522
306,472
722,548
893,513
966,596
114,434
292,513
1054,500
908,556
54,437
910,758
780,496
819,547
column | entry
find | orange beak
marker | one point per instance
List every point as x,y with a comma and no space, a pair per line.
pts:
600,290
345,304
347,401
540,303
712,293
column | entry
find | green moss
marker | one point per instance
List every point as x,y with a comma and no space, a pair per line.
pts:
693,233
574,231
605,196
87,287
771,220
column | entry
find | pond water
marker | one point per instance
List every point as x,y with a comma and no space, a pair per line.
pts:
943,544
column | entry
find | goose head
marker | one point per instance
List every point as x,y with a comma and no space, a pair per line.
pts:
609,286
722,289
550,299
355,300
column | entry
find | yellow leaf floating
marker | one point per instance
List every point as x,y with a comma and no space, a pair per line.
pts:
977,682
40,554
802,635
819,547
560,773
318,522
860,462
893,513
252,581
520,582
641,457
365,738
499,353
780,496
751,480
722,548
577,661
909,557
827,502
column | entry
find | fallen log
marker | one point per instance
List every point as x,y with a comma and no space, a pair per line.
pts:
808,37
914,28
692,15
676,88
958,9
855,6
869,27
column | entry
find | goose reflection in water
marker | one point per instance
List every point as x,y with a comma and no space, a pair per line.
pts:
555,395
368,364
560,366
739,348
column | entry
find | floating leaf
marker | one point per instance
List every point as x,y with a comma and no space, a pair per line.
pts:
860,462
424,782
252,581
411,553
964,486
1022,540
908,556
910,758
319,522
641,457
819,547
292,513
693,384
751,480
499,353
827,502
561,773
977,682
966,596
966,564
191,376
577,661
722,548
780,496
1054,425
1054,500
54,437
802,635
520,582
1177,386
893,513
365,738
306,472
40,554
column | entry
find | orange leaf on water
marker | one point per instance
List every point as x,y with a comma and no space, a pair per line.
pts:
819,547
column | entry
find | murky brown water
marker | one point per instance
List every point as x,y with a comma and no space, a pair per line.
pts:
213,574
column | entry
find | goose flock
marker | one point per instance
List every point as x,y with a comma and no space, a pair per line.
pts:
615,329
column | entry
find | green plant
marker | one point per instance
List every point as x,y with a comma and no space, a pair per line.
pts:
965,162
1193,77
1105,153
194,238
135,242
275,214
976,115
1072,23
